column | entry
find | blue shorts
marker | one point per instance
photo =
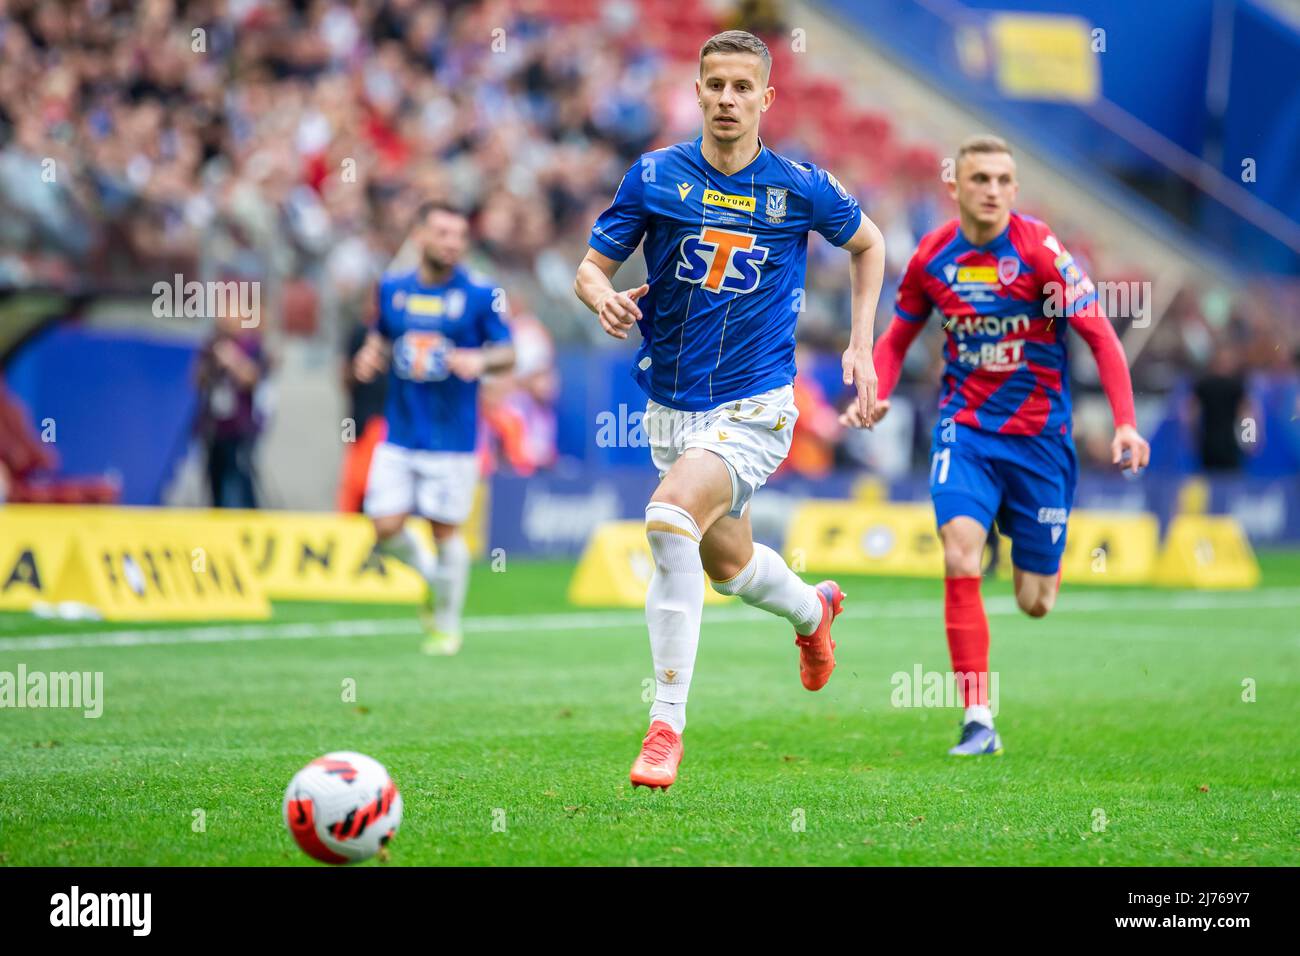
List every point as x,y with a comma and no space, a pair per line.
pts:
1024,482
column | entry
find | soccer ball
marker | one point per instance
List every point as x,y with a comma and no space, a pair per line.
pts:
342,807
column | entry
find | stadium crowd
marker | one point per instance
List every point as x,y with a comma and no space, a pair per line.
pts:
288,142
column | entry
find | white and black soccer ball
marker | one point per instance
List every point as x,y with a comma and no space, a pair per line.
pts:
342,807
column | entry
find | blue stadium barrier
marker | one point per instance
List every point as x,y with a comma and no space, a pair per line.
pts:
1143,127
120,402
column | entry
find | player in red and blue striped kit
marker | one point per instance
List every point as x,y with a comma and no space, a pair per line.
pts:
1002,449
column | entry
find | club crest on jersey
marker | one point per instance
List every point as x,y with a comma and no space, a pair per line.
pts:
776,204
1008,269
721,260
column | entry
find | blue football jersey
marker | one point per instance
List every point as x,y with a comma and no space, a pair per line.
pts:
726,257
428,408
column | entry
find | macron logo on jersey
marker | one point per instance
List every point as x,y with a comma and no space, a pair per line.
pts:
721,260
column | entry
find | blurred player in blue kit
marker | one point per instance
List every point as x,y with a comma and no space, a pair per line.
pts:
440,329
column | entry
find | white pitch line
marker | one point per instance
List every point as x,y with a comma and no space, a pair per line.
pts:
1089,603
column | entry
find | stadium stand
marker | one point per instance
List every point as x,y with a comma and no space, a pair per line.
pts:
287,143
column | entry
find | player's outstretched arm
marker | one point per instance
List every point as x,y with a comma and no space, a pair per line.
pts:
1128,448
866,276
910,312
594,286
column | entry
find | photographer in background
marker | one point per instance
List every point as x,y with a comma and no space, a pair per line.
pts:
231,366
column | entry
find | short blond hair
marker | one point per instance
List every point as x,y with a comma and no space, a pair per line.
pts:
982,143
737,41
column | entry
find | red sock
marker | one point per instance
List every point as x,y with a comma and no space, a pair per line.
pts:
968,636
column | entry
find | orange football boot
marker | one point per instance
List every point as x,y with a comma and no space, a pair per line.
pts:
816,651
661,752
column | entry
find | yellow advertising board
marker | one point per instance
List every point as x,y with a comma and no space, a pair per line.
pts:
31,556
615,569
1207,552
849,538
300,556
1103,547
126,563
161,563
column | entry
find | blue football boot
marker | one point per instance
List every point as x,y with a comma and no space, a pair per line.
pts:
977,739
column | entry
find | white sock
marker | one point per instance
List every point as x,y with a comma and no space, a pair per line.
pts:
674,715
673,605
981,714
768,583
450,582
407,547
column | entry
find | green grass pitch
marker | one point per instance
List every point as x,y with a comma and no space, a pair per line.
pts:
1128,739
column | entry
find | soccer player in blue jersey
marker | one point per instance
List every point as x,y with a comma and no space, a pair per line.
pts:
440,329
725,223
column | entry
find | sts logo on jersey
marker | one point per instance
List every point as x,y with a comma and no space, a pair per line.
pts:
721,260
421,356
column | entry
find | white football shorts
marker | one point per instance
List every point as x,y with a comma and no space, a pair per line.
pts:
751,435
434,484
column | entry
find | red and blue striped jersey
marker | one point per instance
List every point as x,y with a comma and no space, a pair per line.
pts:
1006,307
